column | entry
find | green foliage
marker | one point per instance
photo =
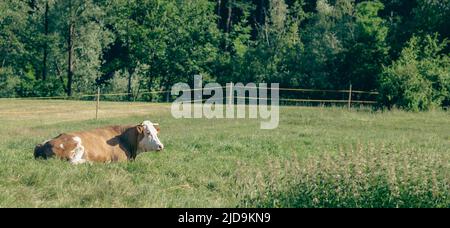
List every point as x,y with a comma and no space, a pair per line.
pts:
432,16
273,56
13,24
319,44
370,25
345,44
419,79
175,40
12,85
8,82
370,51
89,37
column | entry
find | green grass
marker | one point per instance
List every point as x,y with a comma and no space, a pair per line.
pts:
317,157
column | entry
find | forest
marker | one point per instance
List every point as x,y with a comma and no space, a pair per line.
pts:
71,47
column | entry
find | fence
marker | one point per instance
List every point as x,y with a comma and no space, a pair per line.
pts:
349,101
230,97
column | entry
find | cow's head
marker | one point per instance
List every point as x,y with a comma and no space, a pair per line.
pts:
149,140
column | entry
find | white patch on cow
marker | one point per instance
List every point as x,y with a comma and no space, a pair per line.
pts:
46,141
61,146
78,152
150,141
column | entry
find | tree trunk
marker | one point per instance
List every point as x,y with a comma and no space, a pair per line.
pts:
230,11
129,87
130,71
167,87
228,23
262,13
60,76
70,61
149,85
44,61
219,4
70,54
168,96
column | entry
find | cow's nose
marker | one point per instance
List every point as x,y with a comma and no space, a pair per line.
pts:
160,147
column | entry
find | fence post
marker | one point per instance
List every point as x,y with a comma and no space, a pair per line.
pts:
350,97
98,103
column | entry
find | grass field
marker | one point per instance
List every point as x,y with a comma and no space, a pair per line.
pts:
317,157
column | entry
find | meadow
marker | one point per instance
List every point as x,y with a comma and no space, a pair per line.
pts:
317,157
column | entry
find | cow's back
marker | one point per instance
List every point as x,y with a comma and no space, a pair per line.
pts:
98,145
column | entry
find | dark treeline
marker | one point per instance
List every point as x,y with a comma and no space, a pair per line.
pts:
70,47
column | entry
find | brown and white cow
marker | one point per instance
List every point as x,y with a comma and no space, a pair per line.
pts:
109,144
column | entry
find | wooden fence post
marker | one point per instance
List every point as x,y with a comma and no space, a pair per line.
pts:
98,103
350,97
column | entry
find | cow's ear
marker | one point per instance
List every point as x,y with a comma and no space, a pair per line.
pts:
140,129
156,126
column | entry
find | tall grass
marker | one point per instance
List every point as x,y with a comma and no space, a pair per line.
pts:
367,176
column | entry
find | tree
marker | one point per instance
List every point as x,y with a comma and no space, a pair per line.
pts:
273,56
69,47
368,50
82,37
345,43
46,34
192,48
419,79
15,66
431,16
324,37
174,40
13,15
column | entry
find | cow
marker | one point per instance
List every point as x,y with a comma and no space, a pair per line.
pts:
108,144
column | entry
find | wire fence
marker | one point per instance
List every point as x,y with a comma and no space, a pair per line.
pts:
287,96
230,98
348,92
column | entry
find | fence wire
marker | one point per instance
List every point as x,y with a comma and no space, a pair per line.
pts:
96,96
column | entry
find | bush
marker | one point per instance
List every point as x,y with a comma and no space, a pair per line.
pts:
48,88
8,82
419,79
118,84
25,85
402,85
